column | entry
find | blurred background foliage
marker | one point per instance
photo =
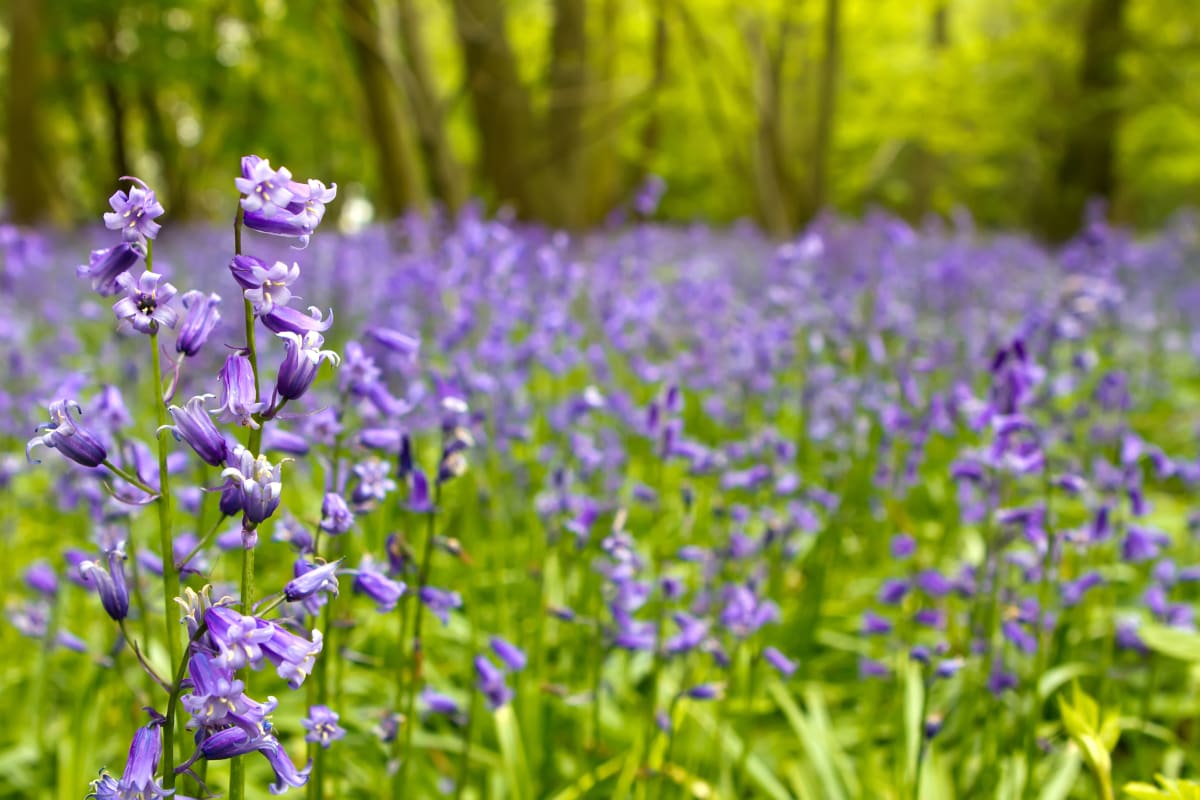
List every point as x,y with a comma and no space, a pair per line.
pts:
1016,110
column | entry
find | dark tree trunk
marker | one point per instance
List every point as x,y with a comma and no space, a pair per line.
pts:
27,199
1087,167
401,182
449,181
826,107
568,102
503,117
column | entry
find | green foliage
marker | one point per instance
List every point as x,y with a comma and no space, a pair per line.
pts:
1092,733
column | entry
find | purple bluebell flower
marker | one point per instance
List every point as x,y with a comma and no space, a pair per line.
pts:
303,356
133,214
692,633
903,545
1072,592
277,440
440,602
145,305
265,190
201,315
336,516
259,482
513,657
312,579
64,435
41,577
217,698
237,391
137,782
373,481
238,638
299,218
704,691
374,584
491,683
893,591
419,500
744,612
438,703
292,655
105,266
949,667
1143,544
1000,680
779,661
194,425
1016,633
233,742
397,342
285,318
322,726
874,624
268,286
110,584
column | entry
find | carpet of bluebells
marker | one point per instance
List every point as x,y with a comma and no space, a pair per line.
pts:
468,508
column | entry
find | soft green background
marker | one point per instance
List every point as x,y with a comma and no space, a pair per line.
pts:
936,103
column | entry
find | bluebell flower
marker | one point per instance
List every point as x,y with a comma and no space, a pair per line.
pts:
779,661
217,698
105,266
41,577
336,516
145,305
202,313
312,579
373,481
440,602
704,691
302,358
237,391
285,318
322,726
259,483
265,190
267,287
133,214
137,782
110,584
513,657
194,425
491,683
64,435
374,584
233,742
438,703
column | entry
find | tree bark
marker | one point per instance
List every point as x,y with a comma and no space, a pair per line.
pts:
1087,167
568,101
27,196
401,178
503,116
449,180
826,107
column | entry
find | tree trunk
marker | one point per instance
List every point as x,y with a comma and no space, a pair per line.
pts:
23,179
503,117
449,181
826,108
568,101
1086,169
401,180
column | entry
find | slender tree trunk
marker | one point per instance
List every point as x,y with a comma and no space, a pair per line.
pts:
1087,167
605,179
772,184
652,128
568,102
449,180
23,179
826,107
503,116
402,183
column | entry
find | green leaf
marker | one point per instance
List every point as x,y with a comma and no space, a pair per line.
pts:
815,745
1172,642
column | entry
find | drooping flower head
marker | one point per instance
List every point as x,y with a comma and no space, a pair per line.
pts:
110,584
137,782
301,361
194,425
105,266
145,305
201,317
64,435
237,391
259,483
133,214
